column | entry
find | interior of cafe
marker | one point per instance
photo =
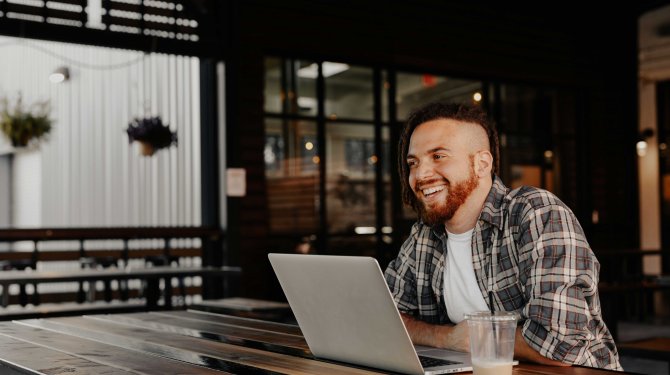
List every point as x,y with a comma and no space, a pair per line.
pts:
194,134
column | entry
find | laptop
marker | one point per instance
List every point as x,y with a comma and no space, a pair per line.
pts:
347,314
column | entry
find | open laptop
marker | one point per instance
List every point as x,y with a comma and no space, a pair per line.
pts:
346,313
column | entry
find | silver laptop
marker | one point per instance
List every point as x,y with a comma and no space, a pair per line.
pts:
347,314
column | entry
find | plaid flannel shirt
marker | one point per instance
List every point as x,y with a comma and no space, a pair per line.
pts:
543,268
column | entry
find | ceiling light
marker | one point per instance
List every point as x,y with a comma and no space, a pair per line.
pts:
329,69
642,140
59,75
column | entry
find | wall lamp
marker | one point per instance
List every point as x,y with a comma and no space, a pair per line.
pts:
642,144
60,75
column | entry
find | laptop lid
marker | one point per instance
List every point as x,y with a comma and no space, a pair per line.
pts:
347,314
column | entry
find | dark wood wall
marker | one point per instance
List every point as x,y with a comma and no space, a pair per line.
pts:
554,45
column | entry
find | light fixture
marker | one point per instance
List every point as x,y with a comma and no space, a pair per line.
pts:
642,145
329,69
477,97
60,75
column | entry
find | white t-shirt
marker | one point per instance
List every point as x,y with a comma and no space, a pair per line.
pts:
461,291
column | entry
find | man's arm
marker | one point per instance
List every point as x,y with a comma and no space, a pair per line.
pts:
523,352
447,336
457,337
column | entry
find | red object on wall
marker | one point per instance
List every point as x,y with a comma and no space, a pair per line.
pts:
428,80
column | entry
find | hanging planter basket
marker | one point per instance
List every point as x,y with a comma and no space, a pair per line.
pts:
21,126
151,134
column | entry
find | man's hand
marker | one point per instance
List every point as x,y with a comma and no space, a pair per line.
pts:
448,336
457,337
523,352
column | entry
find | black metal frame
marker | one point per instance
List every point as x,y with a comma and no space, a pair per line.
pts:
153,36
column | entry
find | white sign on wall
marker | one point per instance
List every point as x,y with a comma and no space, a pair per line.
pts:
236,182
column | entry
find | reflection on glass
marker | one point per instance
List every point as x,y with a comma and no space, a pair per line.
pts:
350,180
292,176
287,90
527,131
415,90
309,158
349,93
273,152
273,90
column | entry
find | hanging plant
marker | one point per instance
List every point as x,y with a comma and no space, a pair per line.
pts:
151,134
21,126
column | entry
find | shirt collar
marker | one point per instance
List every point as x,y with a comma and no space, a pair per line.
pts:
492,212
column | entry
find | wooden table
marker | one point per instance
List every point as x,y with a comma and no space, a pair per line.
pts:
174,342
152,275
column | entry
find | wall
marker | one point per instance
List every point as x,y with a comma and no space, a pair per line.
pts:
5,190
554,46
90,175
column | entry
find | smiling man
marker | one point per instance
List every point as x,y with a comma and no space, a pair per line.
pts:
477,243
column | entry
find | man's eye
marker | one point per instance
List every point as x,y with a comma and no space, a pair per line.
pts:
436,156
411,163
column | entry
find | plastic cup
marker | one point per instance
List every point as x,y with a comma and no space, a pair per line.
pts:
492,341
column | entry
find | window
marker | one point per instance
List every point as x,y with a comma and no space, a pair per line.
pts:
328,148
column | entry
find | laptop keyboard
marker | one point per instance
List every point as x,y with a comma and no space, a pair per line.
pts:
435,362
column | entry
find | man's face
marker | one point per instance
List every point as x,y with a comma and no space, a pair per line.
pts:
441,168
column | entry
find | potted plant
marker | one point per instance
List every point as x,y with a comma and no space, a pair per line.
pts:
151,134
21,126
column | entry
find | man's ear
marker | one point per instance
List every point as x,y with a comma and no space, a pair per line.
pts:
483,163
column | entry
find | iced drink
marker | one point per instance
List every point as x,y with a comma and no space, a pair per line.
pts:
492,368
492,342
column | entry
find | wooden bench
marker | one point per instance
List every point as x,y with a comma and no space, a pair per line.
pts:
102,248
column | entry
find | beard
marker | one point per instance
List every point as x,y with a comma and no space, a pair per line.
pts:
457,194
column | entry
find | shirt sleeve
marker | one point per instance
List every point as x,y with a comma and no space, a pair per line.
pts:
401,279
564,320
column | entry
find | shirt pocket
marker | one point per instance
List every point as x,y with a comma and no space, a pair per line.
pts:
511,293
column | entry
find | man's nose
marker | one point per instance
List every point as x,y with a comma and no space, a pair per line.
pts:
424,171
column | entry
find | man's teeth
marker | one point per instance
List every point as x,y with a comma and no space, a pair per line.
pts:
432,190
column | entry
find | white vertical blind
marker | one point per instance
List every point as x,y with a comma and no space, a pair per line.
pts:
90,175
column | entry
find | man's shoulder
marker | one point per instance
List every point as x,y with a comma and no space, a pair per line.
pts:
533,198
421,230
422,236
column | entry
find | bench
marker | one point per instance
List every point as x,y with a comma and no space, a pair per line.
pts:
63,249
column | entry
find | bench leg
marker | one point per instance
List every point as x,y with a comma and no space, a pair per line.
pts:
108,290
81,295
23,296
90,296
152,293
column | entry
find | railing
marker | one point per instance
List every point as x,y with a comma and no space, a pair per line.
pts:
62,249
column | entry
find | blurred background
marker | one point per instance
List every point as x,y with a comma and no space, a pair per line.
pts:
288,117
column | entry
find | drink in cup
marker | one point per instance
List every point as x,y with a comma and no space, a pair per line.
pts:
492,341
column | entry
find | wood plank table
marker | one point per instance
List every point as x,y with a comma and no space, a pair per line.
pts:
174,342
151,274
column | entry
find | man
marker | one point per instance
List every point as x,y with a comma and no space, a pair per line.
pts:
477,243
